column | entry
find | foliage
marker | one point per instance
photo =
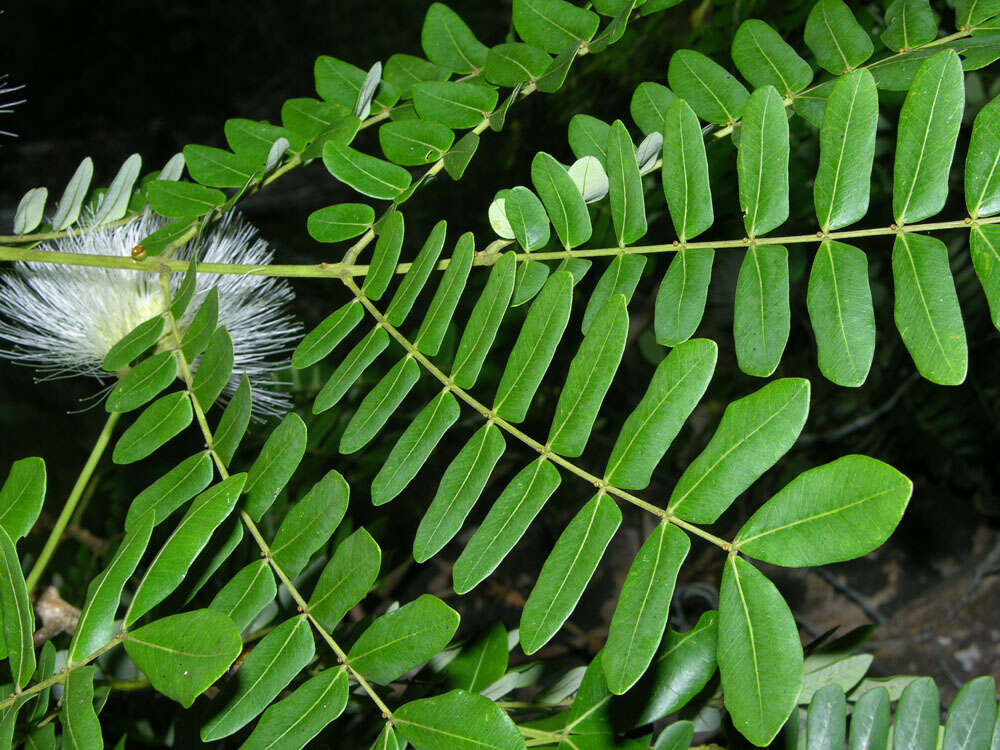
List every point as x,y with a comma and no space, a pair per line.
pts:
239,607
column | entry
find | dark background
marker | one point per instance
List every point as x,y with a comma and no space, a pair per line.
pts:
126,77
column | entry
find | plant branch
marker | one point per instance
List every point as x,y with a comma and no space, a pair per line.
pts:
483,258
490,415
55,535
251,526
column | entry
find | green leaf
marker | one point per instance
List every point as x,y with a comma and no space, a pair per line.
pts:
448,41
275,465
341,83
114,203
142,383
589,136
417,275
271,665
183,654
349,370
480,664
414,447
620,278
414,142
293,721
835,512
908,24
982,178
841,313
403,639
985,249
254,140
685,172
553,25
528,280
590,374
754,433
179,200
188,539
246,594
674,391
80,725
170,491
590,711
213,369
309,524
926,308
826,722
449,291
836,38
847,148
761,318
870,721
484,322
567,570
199,331
916,724
340,222
28,214
218,168
95,627
366,174
527,218
18,618
628,210
971,716
763,162
68,210
161,421
380,404
458,158
677,736
346,578
312,119
925,143
455,105
511,64
385,256
643,606
402,71
649,105
764,58
760,657
536,344
461,485
563,201
21,497
458,720
505,524
133,344
680,301
184,292
386,739
713,93
683,665
233,422
974,12
325,337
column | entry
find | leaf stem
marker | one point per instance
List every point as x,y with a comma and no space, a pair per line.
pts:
55,536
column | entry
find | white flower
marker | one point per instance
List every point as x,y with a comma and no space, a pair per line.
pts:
7,107
64,319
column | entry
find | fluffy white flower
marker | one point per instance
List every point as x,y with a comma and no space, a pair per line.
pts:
63,319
